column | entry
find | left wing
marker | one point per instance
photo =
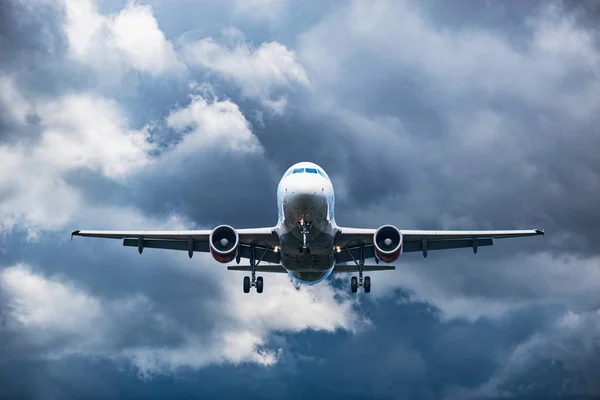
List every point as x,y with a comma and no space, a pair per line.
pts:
421,240
265,240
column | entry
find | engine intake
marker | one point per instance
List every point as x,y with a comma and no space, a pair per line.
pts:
224,243
387,241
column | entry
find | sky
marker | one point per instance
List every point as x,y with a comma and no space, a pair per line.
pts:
184,114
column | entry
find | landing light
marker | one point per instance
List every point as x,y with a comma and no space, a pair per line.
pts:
276,249
338,249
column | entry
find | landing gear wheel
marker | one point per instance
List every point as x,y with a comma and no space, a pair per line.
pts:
259,284
354,284
246,284
367,284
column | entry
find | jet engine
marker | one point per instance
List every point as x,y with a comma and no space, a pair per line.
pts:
224,243
387,241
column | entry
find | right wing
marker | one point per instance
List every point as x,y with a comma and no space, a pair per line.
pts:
265,241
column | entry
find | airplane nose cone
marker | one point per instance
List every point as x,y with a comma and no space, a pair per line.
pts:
305,198
305,185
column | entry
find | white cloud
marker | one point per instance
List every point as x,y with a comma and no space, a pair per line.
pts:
212,124
77,131
537,279
85,131
12,101
259,72
112,44
60,318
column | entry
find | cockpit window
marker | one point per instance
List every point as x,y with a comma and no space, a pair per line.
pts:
298,170
311,170
321,173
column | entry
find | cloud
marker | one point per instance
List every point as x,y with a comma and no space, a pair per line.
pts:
425,115
54,318
448,103
559,361
112,44
90,133
261,73
77,131
215,123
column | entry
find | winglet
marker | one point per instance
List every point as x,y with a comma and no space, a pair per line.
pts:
75,232
540,232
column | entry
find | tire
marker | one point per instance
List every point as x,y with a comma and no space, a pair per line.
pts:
259,284
246,284
354,284
367,284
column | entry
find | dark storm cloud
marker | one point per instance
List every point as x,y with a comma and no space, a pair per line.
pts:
28,35
416,356
33,49
559,195
212,188
388,160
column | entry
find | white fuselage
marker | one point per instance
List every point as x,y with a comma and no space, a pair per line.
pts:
305,196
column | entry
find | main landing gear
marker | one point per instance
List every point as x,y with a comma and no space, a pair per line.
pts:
256,282
365,282
304,229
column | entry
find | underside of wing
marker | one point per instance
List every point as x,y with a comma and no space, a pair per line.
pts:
264,240
350,240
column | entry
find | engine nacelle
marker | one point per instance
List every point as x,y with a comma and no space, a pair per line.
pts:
224,243
387,241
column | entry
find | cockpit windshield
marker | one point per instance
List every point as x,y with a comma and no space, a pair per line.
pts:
306,170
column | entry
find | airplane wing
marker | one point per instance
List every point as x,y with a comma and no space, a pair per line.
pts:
351,239
265,241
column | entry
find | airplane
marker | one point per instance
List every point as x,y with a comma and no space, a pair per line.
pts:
307,243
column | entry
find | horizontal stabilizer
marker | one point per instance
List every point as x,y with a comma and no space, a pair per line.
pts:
338,268
260,268
366,268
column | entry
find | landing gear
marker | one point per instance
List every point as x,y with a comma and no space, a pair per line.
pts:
364,282
304,229
256,282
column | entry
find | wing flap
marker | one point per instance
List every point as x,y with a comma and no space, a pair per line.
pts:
262,253
201,246
445,244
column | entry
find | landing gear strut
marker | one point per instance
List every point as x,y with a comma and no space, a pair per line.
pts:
304,230
364,282
256,282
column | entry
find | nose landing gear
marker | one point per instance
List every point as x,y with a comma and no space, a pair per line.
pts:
304,229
